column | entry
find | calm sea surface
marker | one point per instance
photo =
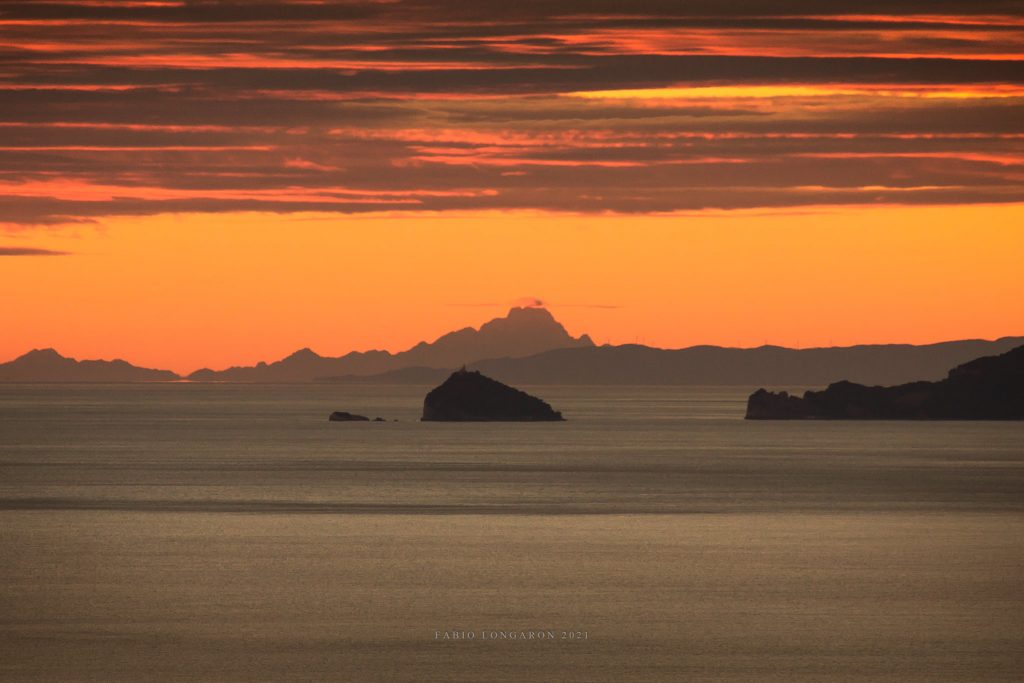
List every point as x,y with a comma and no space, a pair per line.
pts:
230,533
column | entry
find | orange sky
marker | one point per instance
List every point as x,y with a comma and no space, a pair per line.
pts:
186,291
205,184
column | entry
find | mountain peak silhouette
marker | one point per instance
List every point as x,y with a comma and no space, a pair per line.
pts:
535,318
41,354
302,354
522,332
527,313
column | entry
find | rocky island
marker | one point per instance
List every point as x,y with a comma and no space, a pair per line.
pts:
468,396
342,416
989,388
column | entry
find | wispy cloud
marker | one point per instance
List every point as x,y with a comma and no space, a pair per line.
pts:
534,302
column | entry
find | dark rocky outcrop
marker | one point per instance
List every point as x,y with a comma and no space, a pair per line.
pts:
990,388
340,416
468,396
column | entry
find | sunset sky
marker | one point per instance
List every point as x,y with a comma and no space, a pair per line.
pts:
188,184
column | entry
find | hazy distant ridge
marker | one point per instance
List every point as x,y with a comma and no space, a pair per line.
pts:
46,365
523,332
528,346
774,365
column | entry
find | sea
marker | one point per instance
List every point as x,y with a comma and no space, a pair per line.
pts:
205,532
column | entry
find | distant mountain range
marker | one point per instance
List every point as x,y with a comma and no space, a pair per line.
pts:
46,365
528,346
765,365
523,332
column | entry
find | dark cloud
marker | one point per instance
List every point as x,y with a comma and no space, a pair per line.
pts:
455,10
29,251
124,109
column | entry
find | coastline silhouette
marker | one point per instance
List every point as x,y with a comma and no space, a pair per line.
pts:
989,388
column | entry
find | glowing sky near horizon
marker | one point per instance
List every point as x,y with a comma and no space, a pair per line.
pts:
210,183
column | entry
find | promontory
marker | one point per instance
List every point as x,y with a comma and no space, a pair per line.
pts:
989,388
